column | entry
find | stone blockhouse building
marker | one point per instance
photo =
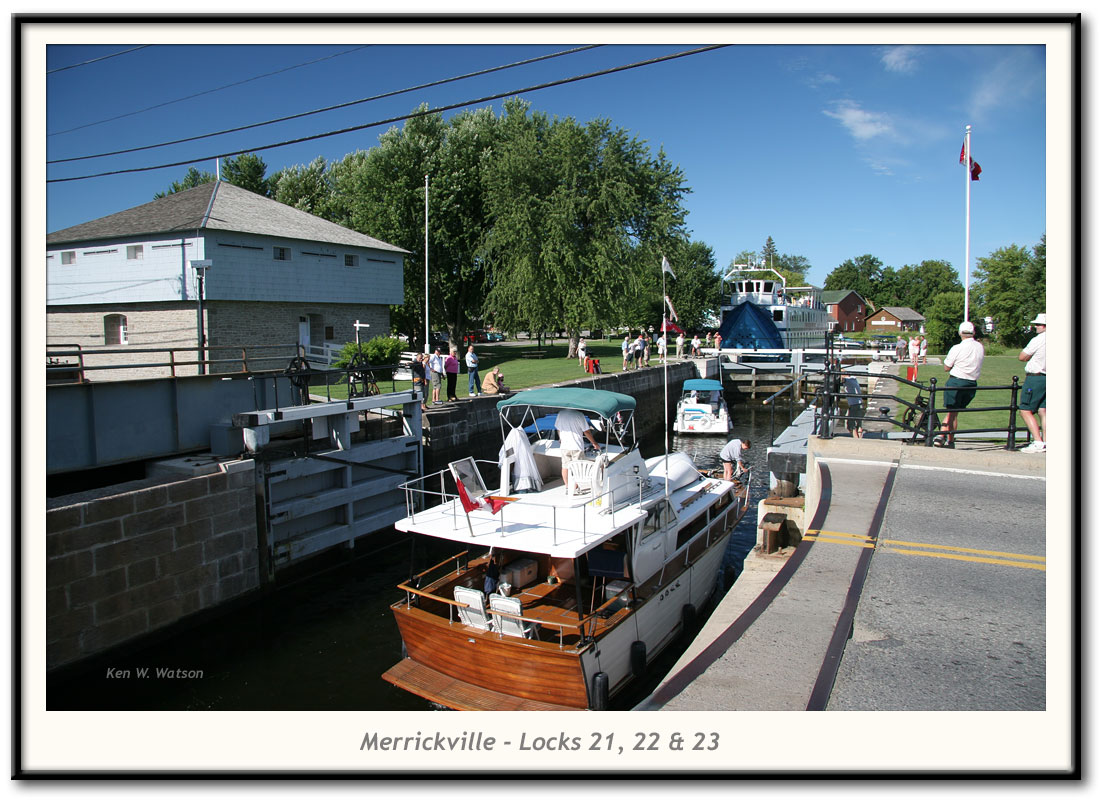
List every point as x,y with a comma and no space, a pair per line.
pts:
891,319
276,276
847,310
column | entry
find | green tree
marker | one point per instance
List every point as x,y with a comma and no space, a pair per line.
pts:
248,171
192,179
918,284
942,316
694,291
1010,286
862,274
769,255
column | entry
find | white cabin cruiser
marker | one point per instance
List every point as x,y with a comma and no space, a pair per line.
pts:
702,408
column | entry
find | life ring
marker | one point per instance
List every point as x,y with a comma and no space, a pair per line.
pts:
598,471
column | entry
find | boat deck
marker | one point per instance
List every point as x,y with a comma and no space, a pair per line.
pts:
459,695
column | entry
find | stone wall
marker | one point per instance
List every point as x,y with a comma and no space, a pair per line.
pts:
126,564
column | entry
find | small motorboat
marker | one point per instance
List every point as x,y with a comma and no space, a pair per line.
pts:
702,408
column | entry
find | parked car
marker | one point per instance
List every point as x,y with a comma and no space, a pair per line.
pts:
475,337
494,336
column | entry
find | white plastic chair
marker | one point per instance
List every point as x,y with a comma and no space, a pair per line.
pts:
474,612
579,473
500,605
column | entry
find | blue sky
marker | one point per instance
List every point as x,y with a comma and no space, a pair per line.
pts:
832,150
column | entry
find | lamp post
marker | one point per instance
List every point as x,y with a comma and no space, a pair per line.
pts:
200,267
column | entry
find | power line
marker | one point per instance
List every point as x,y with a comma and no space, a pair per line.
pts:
101,58
391,120
198,94
328,108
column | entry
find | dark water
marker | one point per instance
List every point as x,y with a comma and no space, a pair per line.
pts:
322,640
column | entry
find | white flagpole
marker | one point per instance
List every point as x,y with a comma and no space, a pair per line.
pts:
427,323
664,332
966,177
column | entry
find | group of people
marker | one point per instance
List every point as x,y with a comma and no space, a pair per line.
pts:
636,352
916,348
436,368
964,366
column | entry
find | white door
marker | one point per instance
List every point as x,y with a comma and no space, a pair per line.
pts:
303,334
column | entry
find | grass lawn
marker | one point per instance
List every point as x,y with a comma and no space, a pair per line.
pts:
996,371
519,372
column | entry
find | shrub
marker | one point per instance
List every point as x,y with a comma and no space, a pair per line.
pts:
381,350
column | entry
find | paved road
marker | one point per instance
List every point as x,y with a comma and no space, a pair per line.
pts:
956,591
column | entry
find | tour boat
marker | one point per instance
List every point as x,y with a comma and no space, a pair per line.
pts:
598,575
760,312
702,408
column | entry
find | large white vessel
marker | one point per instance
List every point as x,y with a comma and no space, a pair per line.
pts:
760,312
598,574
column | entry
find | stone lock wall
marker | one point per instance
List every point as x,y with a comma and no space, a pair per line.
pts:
129,563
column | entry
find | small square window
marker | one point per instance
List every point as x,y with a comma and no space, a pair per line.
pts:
351,260
68,257
282,253
330,333
135,251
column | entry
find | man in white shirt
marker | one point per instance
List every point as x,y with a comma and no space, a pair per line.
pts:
914,350
680,345
435,366
1033,396
964,363
572,428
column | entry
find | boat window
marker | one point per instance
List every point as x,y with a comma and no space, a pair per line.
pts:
655,520
777,314
767,286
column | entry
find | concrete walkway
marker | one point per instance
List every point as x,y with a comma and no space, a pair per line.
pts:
919,585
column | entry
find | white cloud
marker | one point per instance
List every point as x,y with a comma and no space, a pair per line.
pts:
1010,81
863,125
821,79
900,59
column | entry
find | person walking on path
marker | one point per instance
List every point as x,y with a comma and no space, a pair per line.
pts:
450,366
471,367
964,363
435,366
732,453
680,345
626,352
1033,397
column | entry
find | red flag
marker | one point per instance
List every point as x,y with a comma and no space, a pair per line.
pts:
975,170
467,504
962,154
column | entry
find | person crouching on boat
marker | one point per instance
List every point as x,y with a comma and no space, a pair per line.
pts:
572,428
733,452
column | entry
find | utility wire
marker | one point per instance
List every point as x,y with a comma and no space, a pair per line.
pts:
101,58
198,94
391,120
329,108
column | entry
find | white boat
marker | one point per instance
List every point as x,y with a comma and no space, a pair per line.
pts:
597,577
702,408
760,312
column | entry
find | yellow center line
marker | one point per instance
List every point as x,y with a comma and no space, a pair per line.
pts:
813,531
903,547
1022,564
896,542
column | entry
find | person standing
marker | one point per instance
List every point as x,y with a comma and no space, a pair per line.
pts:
626,352
573,429
450,366
680,345
1033,397
435,366
420,378
854,398
582,352
662,346
923,349
964,363
471,367
695,346
901,349
732,453
639,346
914,351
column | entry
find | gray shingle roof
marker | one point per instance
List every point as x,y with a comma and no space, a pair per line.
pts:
904,313
836,295
234,209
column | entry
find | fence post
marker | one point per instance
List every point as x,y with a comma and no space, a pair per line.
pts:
1012,413
931,413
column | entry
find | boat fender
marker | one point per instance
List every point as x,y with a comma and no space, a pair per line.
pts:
600,691
637,658
598,470
687,614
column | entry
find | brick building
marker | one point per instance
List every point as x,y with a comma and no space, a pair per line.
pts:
847,309
276,276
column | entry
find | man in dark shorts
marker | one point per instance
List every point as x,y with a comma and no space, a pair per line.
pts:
1033,397
964,363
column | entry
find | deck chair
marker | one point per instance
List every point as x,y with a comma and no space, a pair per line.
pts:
580,473
499,605
474,612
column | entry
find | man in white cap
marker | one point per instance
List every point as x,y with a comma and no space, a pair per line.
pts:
1033,396
964,363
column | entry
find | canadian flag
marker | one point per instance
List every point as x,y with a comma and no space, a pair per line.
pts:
489,502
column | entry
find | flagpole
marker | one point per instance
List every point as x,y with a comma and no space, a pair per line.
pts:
966,177
664,333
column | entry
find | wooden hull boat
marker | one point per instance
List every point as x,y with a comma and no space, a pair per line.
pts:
598,574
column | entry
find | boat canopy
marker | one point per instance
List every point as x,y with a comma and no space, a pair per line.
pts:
596,401
702,385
